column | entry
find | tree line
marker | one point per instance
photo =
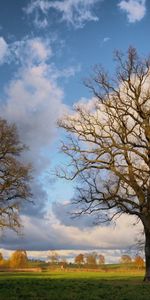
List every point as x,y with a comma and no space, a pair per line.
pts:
19,259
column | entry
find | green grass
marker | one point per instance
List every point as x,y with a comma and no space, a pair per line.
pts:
65,285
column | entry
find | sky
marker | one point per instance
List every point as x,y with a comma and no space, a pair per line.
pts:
47,49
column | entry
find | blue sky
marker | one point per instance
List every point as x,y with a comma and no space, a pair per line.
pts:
47,49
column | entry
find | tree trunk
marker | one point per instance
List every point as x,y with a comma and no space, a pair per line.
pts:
147,255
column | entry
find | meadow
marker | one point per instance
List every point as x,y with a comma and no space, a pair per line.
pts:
74,285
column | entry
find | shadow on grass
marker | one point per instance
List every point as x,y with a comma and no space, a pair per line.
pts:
55,286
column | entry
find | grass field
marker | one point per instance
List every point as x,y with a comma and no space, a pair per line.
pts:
65,285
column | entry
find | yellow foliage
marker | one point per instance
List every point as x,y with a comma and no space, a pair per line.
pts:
18,259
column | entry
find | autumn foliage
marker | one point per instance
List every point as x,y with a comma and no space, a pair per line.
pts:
18,259
79,259
126,259
139,262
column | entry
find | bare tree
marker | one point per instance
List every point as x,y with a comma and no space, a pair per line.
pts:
53,257
14,176
109,144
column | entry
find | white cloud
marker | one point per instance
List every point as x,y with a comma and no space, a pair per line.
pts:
3,49
30,51
74,12
106,39
34,101
135,9
40,50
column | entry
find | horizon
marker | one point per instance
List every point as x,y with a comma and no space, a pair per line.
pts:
70,255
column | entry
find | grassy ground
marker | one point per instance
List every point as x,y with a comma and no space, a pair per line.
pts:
65,285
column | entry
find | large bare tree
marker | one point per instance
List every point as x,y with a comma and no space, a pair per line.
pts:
14,176
108,144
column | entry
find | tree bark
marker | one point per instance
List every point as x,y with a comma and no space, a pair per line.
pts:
147,255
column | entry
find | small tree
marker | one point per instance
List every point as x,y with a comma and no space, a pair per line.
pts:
18,259
63,263
3,263
79,259
1,257
126,259
139,261
14,176
91,258
109,145
53,257
101,259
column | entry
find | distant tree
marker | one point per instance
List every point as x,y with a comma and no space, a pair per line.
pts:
108,144
91,258
53,257
126,259
14,176
63,263
1,257
18,259
139,261
101,259
79,259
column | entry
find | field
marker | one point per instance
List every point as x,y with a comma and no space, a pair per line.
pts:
71,285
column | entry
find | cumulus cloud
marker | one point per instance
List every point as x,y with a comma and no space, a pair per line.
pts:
36,208
3,49
39,50
135,9
30,51
74,12
34,101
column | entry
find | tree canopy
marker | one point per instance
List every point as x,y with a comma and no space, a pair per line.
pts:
91,258
126,259
101,259
79,259
108,144
18,259
1,257
139,262
14,176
